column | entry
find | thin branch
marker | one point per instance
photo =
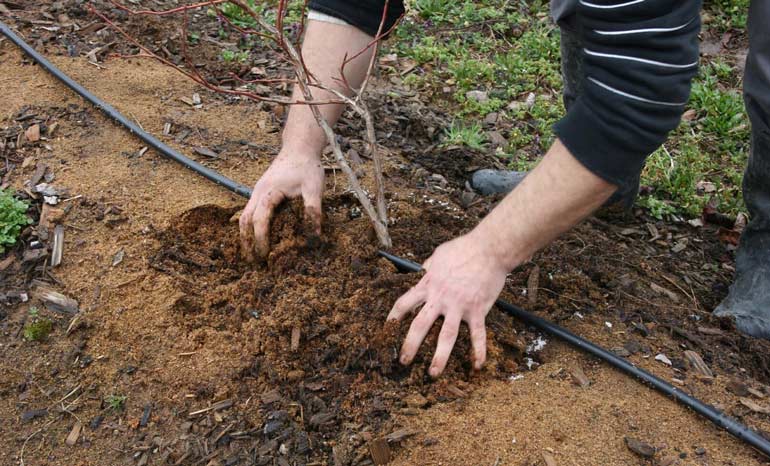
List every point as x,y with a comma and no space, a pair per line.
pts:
304,82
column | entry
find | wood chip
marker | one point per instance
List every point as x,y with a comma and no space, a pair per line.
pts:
710,331
38,174
74,434
533,282
663,358
754,406
756,393
218,406
50,215
295,336
697,364
118,257
579,377
640,448
270,397
58,245
738,388
664,291
380,451
206,152
399,435
32,134
454,390
52,128
55,301
166,129
549,459
7,262
322,418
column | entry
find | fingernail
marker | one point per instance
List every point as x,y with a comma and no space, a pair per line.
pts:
433,371
404,360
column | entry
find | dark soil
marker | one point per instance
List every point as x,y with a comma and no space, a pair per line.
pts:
343,377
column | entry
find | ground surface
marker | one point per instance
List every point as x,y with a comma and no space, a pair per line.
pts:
293,361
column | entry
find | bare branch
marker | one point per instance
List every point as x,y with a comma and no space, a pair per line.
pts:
304,80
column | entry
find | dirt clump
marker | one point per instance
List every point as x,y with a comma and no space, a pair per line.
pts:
317,315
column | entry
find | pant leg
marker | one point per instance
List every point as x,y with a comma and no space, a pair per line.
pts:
756,93
749,298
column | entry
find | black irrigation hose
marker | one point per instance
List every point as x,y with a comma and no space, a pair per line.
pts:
712,414
727,423
151,140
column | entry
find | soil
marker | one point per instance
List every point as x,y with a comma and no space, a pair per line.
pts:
223,362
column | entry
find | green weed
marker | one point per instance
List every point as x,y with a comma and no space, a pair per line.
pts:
116,402
461,135
36,328
12,218
229,56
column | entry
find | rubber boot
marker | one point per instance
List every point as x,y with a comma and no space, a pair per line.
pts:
749,298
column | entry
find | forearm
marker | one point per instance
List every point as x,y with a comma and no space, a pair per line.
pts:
554,197
324,49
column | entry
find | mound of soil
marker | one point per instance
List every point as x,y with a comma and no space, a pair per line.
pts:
324,359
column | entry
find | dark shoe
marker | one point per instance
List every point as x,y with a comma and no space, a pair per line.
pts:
488,181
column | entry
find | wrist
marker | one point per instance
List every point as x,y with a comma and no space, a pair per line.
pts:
300,152
500,254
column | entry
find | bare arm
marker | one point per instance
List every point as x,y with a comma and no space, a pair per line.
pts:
297,170
465,276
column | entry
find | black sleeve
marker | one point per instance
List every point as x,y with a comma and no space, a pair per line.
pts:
366,15
639,60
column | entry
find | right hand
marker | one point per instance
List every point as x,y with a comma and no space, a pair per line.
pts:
290,175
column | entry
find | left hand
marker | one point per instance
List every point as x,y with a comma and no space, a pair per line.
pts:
462,281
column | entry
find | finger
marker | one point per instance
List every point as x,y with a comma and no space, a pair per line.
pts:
313,214
313,210
420,327
446,341
260,221
478,331
246,230
426,264
408,302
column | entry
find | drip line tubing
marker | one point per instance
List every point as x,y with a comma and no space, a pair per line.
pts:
720,419
108,110
727,423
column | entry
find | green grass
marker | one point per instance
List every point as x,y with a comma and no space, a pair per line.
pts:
711,148
511,49
12,218
724,15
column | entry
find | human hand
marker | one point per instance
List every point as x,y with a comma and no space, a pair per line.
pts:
462,281
290,175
